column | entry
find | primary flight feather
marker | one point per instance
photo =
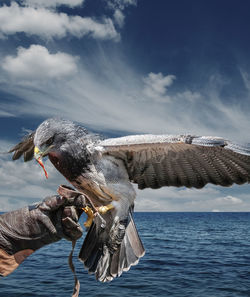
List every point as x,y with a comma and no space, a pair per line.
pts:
105,169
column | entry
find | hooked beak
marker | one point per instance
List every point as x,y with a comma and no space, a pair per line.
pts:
38,156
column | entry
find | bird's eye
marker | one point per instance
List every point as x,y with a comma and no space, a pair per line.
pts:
49,141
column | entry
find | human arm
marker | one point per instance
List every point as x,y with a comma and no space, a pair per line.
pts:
25,230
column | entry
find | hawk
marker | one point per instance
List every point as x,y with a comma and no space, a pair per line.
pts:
105,169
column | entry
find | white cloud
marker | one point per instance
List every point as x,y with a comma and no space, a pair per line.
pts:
120,4
107,94
119,17
37,63
219,203
52,3
188,95
50,24
4,147
156,85
209,198
229,200
24,183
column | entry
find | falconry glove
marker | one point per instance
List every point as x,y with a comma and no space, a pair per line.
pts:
25,230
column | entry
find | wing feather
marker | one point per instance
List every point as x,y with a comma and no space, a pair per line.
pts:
25,148
153,161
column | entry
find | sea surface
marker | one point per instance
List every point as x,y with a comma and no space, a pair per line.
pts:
187,254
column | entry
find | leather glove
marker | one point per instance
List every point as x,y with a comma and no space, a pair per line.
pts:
25,230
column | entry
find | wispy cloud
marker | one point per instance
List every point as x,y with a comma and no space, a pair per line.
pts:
109,95
229,200
50,24
118,6
246,79
119,17
102,90
210,198
94,101
6,114
121,4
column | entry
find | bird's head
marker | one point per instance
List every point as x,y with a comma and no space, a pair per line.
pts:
52,136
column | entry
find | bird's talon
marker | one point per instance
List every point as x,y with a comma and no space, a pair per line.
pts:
90,214
104,208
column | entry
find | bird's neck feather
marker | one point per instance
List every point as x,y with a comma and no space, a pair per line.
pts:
70,163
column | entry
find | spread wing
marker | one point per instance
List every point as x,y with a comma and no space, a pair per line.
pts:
153,161
25,148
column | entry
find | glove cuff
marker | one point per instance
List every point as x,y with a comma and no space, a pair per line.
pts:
8,263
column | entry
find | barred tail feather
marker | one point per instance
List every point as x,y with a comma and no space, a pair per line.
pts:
109,259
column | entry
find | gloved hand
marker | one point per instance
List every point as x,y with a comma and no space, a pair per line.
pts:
25,230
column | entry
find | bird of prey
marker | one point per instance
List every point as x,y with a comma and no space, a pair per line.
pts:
104,170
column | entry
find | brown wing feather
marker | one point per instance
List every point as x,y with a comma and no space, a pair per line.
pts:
197,166
25,148
178,162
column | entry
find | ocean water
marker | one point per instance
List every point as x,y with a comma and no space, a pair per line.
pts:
187,254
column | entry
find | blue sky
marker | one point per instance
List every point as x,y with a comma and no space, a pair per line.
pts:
124,67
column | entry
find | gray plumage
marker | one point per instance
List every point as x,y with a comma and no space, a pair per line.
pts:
104,170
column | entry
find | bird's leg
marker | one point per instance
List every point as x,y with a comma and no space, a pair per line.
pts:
93,211
104,208
90,214
101,210
90,209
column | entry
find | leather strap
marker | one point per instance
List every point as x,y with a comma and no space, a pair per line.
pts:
72,267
